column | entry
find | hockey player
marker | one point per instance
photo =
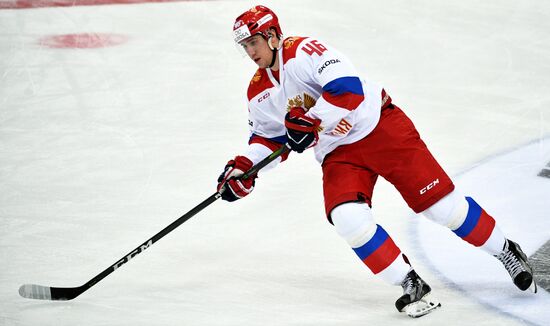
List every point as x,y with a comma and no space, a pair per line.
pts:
307,94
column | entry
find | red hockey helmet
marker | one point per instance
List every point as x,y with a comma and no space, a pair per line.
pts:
256,20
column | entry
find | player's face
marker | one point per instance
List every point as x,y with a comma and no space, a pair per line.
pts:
258,50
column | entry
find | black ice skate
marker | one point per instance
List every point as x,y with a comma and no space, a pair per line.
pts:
416,300
515,262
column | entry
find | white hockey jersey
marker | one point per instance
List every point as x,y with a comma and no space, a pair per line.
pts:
323,81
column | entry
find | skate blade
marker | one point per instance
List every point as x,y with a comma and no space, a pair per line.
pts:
422,307
533,286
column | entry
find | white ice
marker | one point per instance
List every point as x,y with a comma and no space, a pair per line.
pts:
102,148
510,189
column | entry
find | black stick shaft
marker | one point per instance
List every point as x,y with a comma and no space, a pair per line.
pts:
281,151
154,239
71,293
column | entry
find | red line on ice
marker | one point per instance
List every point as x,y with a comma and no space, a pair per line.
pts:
25,4
82,41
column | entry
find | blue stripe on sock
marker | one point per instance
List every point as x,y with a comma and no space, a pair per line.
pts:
474,212
377,240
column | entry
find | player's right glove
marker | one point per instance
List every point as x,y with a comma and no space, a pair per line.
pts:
301,130
231,184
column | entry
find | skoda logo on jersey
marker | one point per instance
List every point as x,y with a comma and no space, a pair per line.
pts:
326,64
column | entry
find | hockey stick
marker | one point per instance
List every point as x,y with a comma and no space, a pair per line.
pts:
33,291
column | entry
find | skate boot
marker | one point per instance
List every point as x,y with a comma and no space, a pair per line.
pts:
515,262
416,300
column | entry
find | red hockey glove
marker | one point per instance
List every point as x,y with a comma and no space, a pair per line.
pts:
301,130
230,184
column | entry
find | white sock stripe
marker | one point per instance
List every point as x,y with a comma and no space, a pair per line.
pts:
395,273
495,244
459,215
450,211
354,223
362,235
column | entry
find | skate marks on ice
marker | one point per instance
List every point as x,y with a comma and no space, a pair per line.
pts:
545,172
509,187
541,265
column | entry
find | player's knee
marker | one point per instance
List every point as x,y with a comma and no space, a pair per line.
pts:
354,223
450,211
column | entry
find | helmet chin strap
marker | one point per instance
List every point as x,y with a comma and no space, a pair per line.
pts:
273,51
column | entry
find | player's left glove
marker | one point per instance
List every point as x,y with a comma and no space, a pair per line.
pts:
301,130
231,184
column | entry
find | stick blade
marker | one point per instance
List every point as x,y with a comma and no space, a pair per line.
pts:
33,291
40,292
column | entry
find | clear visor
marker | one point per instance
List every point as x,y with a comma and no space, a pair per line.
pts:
240,49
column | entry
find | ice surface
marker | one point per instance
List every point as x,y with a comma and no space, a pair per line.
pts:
101,148
519,199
